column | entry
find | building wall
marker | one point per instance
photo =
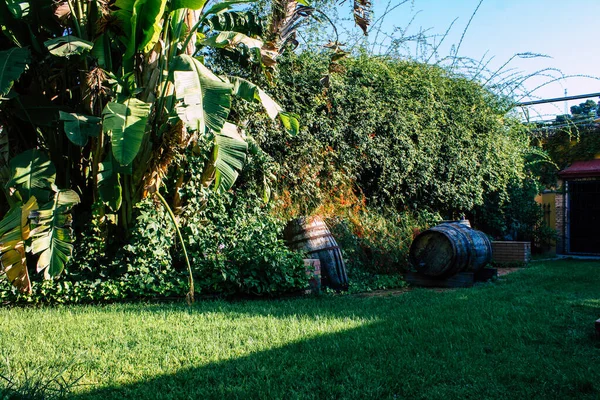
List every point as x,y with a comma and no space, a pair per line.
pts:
561,217
547,201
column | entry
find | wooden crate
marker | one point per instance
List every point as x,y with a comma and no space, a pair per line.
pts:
511,252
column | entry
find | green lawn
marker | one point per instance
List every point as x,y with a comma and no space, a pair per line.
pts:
529,335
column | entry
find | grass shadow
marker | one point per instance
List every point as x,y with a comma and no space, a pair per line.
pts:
525,337
528,335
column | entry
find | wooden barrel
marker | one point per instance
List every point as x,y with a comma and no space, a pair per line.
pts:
311,236
465,222
449,248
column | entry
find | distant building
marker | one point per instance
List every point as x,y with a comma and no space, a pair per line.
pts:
578,208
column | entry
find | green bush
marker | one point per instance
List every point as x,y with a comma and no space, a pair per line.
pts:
385,150
235,246
515,215
142,269
406,135
234,240
377,242
389,146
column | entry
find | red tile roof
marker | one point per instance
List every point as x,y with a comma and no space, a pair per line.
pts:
581,169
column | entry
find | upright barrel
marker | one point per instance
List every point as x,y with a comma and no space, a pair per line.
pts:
449,248
311,236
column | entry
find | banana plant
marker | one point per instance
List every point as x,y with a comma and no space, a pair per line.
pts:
140,70
43,230
101,98
12,64
14,232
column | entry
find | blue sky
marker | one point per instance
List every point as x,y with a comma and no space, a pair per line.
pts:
568,32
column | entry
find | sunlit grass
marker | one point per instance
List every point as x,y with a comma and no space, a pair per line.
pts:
144,340
529,335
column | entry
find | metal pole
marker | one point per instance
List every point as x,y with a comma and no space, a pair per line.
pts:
566,98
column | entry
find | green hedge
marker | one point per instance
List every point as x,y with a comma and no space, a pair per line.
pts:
387,149
406,135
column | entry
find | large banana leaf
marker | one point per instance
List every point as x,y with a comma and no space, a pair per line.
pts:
126,122
204,99
229,156
109,187
14,231
191,4
101,51
230,40
223,6
250,92
67,46
12,64
123,13
146,21
53,237
79,128
142,23
32,174
246,22
18,8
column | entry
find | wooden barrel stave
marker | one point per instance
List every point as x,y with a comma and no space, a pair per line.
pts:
481,250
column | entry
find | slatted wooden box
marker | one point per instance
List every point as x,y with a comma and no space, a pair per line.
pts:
511,252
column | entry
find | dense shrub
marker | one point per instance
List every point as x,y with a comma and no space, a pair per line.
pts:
142,269
388,142
234,242
386,149
406,135
515,215
235,247
233,238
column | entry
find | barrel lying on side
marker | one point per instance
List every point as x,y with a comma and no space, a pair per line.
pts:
449,248
311,235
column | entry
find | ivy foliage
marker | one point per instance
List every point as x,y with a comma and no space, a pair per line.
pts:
234,240
407,135
564,146
386,149
515,215
388,144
